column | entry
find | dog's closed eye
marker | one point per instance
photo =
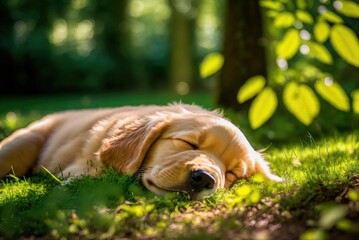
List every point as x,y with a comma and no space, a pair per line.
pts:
191,144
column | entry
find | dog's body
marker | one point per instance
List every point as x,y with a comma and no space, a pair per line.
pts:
173,148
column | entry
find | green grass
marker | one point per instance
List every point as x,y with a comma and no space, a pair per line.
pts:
319,199
46,104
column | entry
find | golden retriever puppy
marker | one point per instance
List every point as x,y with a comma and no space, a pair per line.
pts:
171,148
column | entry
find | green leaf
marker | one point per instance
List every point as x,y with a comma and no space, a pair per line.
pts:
251,88
272,13
137,211
301,101
348,8
321,31
314,234
289,45
258,178
244,190
353,195
274,5
301,4
304,16
332,17
345,43
320,52
333,93
284,20
355,97
331,215
211,64
347,226
254,197
262,107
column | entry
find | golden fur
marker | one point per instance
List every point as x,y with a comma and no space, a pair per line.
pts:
162,144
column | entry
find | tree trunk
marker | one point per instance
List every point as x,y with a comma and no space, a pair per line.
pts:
182,62
115,42
243,53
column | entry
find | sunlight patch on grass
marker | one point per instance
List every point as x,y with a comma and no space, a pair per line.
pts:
20,189
327,160
115,205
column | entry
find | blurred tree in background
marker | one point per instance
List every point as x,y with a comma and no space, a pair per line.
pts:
244,50
182,51
111,22
92,46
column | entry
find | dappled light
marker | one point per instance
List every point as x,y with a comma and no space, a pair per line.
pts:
328,81
285,72
282,64
21,30
182,88
184,6
304,49
305,35
59,33
147,24
83,34
80,34
113,205
11,120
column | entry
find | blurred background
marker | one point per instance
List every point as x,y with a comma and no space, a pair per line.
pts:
61,54
96,46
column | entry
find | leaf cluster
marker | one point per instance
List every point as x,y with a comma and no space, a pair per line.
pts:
310,30
307,33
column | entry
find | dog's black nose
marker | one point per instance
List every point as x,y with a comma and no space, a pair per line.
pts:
201,180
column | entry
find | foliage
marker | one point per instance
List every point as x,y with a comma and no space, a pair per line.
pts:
317,32
211,64
300,23
300,100
251,88
262,107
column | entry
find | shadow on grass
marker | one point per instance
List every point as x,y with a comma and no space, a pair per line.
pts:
31,212
115,206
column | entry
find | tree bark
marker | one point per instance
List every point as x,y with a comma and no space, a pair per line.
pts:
115,42
243,53
182,71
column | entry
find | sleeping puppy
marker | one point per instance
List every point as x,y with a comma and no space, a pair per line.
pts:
178,147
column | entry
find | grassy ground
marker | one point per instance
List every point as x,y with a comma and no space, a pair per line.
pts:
318,200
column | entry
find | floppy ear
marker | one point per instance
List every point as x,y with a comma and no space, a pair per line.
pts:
261,166
126,149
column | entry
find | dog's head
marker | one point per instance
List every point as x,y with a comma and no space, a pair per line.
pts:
195,152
